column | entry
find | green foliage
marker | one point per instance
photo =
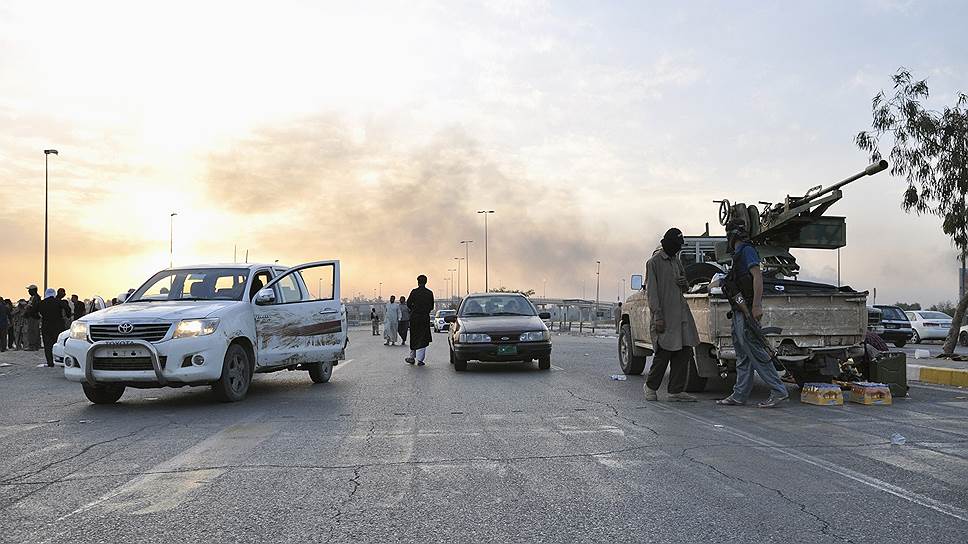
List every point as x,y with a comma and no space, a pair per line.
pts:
528,293
908,307
928,148
947,307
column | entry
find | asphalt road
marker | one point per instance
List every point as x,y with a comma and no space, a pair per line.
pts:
387,452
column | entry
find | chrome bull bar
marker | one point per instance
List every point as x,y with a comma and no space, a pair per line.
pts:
152,353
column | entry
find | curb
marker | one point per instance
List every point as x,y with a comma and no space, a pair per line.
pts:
938,376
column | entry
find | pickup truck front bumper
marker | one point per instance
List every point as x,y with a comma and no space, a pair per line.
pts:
170,362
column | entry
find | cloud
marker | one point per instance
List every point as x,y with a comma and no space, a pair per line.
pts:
393,210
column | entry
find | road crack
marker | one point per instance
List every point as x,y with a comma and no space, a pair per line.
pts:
826,528
615,411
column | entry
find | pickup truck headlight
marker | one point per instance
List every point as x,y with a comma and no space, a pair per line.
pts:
79,330
189,328
473,338
535,336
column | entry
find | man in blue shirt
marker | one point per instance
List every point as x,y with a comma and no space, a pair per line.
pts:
750,353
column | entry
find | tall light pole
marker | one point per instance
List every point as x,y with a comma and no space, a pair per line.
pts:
381,290
546,288
46,152
486,213
467,265
452,292
458,259
171,239
598,284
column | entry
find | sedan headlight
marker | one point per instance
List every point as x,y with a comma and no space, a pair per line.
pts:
535,336
473,338
189,328
79,330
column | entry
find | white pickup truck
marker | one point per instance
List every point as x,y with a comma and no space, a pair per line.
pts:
212,325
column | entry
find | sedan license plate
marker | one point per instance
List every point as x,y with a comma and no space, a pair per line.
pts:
121,351
507,350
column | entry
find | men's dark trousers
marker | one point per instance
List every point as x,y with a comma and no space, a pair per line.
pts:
676,361
33,333
12,337
3,339
403,329
50,338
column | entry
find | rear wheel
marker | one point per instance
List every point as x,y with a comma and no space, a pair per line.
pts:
631,364
916,338
103,394
694,382
320,372
236,375
963,338
544,362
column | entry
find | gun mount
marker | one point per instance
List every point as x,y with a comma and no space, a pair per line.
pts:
797,222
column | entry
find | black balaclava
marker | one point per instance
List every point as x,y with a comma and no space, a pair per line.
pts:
672,242
736,232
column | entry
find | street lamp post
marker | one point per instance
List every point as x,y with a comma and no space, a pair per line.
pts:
486,213
171,239
46,152
381,290
467,266
598,283
458,259
546,289
452,291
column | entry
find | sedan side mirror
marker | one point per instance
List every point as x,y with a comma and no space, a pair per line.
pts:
544,315
450,319
265,297
636,282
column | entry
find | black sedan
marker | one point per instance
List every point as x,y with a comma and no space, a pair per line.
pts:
499,327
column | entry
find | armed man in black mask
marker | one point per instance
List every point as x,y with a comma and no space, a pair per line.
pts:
744,287
673,329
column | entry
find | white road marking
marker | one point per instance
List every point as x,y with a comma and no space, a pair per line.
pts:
556,367
163,487
946,389
342,364
870,481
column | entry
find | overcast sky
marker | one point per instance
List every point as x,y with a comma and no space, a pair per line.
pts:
372,132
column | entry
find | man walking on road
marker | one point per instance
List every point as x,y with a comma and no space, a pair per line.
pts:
52,322
746,278
78,307
32,319
421,304
5,316
375,322
404,326
673,329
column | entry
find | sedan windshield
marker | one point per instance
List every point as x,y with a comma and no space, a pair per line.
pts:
193,284
492,305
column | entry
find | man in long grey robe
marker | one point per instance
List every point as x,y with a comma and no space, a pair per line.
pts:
391,320
673,328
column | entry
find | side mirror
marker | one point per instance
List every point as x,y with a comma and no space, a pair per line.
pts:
264,297
544,315
636,282
450,319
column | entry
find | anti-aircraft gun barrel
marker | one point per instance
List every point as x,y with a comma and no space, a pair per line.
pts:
878,166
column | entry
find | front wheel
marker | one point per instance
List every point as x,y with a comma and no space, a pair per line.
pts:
321,372
103,394
631,364
236,375
460,365
963,338
544,362
916,338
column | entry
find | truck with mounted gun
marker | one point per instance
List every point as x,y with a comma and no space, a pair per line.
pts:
816,329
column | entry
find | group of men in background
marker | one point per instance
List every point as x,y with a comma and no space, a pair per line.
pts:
35,322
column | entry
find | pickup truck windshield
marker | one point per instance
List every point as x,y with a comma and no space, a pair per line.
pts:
492,305
193,284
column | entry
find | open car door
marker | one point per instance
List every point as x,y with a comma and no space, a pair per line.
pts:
299,318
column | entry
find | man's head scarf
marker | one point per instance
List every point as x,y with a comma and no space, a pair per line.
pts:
672,242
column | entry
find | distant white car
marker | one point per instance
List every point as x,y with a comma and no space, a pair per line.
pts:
58,348
929,325
440,325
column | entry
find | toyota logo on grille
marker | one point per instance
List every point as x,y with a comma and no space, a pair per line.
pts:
125,328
